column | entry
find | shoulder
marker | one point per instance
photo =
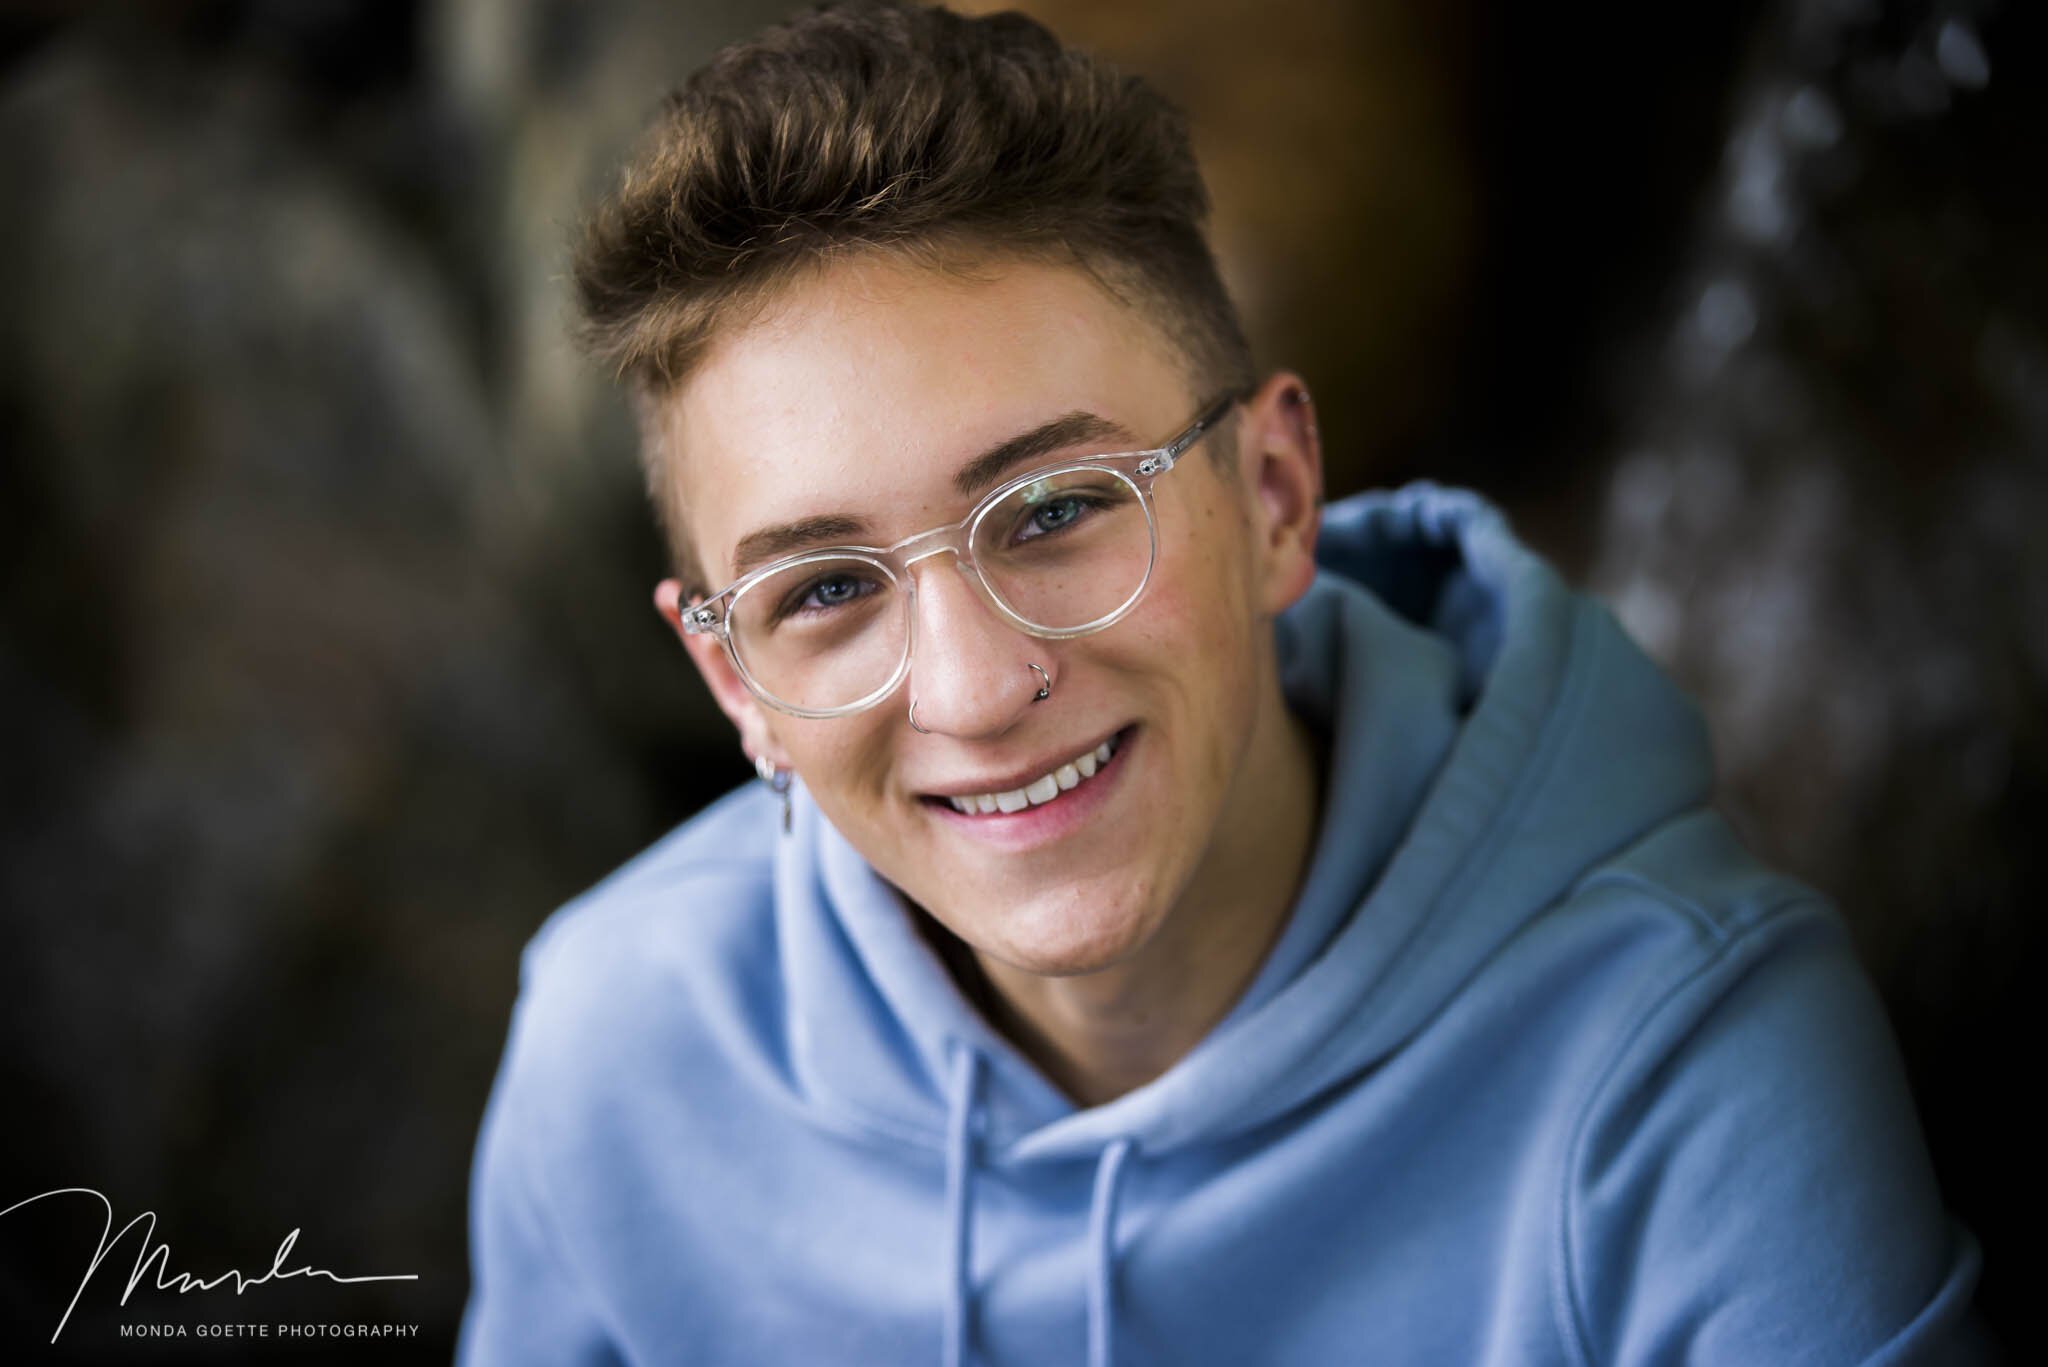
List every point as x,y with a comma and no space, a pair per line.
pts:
648,950
1743,983
1685,907
1746,1178
690,883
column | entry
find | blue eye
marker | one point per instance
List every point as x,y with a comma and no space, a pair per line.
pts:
1055,515
824,595
830,593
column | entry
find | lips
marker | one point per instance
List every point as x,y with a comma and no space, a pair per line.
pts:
1086,812
1006,796
1041,790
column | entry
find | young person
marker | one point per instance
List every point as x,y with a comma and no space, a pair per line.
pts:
1179,923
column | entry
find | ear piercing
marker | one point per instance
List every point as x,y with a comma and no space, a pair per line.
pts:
1300,400
778,781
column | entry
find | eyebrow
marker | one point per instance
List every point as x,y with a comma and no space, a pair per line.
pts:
1067,430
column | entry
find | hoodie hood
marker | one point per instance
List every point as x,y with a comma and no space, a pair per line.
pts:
1452,674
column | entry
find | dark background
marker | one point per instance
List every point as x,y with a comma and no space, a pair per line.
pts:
326,662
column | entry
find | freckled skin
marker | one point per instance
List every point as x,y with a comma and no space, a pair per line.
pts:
860,390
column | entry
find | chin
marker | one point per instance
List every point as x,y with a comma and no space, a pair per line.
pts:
1082,931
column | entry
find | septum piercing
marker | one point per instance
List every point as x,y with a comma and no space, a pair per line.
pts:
1044,692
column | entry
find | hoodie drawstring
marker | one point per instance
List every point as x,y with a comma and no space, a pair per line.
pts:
1102,1239
960,1100
959,1111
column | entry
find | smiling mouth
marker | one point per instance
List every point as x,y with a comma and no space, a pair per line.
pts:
1062,778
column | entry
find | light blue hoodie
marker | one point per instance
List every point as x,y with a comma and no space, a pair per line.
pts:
1543,1069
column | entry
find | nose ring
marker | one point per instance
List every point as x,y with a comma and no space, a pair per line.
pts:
1044,692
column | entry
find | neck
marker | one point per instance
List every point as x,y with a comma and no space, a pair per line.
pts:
1098,1035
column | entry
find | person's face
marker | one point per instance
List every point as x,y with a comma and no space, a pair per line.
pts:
859,393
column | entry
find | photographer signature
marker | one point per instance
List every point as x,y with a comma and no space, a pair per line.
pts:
160,1254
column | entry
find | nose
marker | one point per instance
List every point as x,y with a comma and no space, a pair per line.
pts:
969,670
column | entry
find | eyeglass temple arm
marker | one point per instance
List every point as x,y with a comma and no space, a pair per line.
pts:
1162,460
1209,419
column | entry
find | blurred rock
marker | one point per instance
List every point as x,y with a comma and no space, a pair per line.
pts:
301,744
1827,520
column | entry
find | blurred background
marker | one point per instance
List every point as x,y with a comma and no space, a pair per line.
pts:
327,666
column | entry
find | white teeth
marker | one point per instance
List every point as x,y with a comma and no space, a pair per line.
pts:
1042,789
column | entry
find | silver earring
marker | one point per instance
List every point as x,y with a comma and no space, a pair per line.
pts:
778,781
913,719
1301,400
1044,685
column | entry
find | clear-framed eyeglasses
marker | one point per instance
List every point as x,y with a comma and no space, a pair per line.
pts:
1058,552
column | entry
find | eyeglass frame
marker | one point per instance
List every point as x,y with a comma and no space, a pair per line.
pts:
711,615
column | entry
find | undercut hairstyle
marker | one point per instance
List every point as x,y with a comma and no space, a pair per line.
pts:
947,140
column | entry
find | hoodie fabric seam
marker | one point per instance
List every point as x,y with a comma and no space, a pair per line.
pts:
1725,947
1631,880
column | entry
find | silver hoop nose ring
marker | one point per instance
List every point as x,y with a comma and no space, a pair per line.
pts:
1044,685
913,719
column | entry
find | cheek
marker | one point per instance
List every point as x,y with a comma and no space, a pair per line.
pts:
844,762
1191,642
1200,605
1215,629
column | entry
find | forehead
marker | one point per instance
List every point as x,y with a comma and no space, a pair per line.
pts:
862,387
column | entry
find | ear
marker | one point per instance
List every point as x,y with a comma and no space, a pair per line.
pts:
1280,458
734,698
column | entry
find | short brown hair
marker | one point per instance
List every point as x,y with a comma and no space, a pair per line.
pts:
903,128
